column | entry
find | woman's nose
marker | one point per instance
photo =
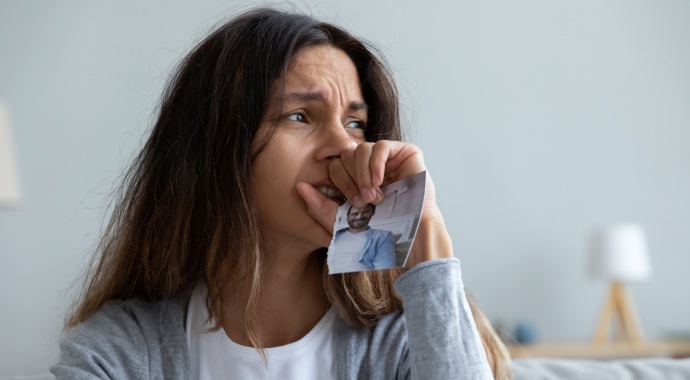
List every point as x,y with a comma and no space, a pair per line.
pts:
334,139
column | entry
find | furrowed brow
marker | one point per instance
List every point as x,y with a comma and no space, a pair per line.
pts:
317,96
302,96
357,106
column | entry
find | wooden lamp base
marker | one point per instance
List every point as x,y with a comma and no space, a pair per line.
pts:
618,303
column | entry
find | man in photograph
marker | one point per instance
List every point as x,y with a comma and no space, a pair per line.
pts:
369,248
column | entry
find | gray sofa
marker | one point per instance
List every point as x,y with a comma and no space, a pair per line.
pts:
580,369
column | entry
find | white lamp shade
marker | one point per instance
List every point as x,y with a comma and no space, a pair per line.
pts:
9,182
619,253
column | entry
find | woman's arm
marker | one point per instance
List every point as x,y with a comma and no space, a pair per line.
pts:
434,338
443,339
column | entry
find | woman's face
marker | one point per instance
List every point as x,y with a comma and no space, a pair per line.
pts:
318,113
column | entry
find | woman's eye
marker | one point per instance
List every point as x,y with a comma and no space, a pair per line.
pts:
295,117
355,124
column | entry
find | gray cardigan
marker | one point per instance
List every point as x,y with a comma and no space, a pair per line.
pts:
434,338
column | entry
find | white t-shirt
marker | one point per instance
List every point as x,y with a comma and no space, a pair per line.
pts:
214,356
347,253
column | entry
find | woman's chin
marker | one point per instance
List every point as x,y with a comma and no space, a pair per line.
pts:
323,240
311,240
317,236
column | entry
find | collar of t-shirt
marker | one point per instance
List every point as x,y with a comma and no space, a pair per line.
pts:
215,356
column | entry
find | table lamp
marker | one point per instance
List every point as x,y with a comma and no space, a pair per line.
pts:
619,255
9,183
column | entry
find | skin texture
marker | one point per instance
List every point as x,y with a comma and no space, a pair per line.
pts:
314,126
319,117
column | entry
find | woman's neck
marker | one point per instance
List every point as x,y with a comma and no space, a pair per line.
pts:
290,303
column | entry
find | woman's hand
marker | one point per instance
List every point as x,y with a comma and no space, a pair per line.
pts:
360,173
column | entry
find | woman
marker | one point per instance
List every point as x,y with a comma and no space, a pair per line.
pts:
214,262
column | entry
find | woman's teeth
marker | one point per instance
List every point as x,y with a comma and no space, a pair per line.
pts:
334,194
329,192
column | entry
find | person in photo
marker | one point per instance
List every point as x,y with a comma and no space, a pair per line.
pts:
376,248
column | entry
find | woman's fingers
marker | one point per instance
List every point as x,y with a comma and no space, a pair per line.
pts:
343,180
319,207
369,166
377,164
350,173
362,162
403,160
360,172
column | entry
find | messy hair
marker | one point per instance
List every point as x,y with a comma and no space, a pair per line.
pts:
184,213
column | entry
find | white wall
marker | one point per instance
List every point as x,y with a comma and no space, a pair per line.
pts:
540,121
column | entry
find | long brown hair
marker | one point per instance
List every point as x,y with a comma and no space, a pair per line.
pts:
184,213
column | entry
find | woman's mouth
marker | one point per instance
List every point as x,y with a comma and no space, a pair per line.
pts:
334,194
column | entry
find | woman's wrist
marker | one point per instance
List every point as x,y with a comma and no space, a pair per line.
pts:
432,241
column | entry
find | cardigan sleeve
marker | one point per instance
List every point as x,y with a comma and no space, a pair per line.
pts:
108,345
133,339
443,340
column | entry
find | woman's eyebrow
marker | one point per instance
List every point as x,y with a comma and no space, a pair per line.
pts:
302,96
317,96
357,106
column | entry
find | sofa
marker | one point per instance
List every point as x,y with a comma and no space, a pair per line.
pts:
585,369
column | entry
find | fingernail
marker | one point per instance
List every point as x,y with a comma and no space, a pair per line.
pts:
375,179
368,195
358,202
379,194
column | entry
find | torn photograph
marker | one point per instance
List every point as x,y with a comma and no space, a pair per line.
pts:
378,236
